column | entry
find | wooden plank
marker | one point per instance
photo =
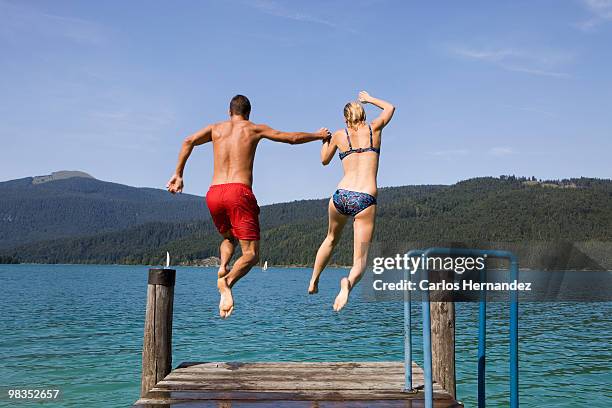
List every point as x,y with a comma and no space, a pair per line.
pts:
295,371
312,395
285,364
275,385
157,344
284,382
317,395
163,329
443,333
323,368
148,348
392,374
288,376
297,404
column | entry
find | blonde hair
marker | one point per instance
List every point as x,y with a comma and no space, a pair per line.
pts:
354,114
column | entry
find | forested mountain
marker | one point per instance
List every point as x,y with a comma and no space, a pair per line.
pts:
529,215
70,204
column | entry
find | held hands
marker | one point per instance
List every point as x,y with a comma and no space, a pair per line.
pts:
175,185
324,133
364,97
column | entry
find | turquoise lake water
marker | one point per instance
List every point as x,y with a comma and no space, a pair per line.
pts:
80,328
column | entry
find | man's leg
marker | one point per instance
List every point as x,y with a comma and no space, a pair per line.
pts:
336,225
249,258
363,229
226,251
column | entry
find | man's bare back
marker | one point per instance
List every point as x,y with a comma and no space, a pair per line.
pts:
234,145
235,142
231,202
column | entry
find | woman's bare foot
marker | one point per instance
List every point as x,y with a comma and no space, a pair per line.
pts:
342,298
223,270
313,287
226,304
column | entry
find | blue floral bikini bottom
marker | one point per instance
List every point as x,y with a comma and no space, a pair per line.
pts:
351,203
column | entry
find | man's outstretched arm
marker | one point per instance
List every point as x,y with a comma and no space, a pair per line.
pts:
267,132
204,135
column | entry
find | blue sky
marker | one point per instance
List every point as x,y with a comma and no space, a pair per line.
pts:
481,88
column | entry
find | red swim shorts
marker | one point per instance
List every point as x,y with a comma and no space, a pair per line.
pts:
234,208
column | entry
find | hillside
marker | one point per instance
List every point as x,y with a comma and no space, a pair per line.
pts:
71,204
539,220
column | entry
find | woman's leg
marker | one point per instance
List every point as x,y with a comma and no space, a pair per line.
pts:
336,224
363,231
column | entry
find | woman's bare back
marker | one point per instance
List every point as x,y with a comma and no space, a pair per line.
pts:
360,169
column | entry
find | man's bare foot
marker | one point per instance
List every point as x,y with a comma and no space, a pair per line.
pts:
223,270
313,287
226,304
342,298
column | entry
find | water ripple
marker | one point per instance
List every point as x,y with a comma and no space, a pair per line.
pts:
80,328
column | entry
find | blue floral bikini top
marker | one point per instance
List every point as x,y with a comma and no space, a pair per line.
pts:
376,150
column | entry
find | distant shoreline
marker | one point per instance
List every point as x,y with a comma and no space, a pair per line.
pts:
110,223
336,266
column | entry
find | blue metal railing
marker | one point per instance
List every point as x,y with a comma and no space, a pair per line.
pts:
407,336
482,322
482,342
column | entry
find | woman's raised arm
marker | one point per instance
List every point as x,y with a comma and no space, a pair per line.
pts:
328,150
387,113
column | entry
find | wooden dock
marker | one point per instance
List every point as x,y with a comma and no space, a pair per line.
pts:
291,385
277,385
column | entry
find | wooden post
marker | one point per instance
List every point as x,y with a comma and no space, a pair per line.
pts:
443,335
157,347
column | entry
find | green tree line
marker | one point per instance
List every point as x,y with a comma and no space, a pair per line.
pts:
540,219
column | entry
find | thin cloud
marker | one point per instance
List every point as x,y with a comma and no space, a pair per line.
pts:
116,112
490,55
532,110
276,9
17,20
537,71
451,153
533,63
501,151
601,13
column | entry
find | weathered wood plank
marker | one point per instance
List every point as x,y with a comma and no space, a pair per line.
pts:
288,364
443,333
210,369
381,373
148,349
215,369
295,371
157,343
280,383
291,371
164,296
298,404
316,395
287,376
275,385
270,395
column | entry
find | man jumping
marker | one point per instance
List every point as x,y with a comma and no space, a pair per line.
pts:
230,200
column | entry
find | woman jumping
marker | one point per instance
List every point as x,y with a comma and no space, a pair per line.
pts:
359,145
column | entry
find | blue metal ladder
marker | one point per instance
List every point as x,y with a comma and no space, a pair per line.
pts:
482,324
